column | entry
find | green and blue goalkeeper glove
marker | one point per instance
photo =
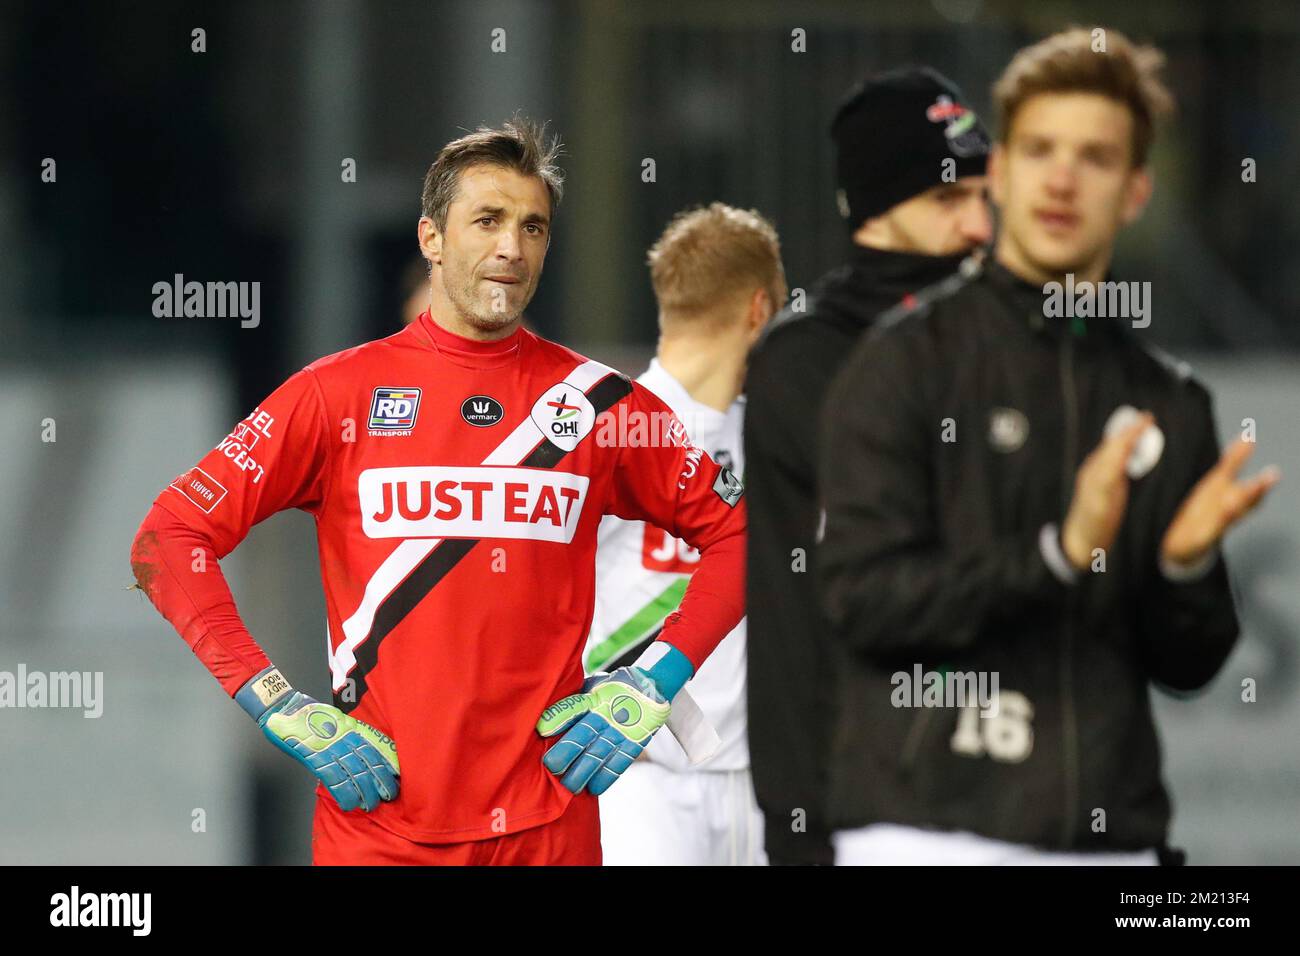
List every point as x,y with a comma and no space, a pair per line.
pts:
609,723
357,764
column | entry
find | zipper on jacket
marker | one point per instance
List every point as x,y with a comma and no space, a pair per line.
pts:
915,734
1069,725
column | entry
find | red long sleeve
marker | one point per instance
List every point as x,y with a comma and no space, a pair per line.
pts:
714,601
177,568
272,460
674,485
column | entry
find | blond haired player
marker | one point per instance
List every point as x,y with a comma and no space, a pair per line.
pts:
718,279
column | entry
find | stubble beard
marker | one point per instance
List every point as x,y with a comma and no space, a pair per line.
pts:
476,313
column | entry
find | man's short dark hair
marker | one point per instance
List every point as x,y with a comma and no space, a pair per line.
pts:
519,145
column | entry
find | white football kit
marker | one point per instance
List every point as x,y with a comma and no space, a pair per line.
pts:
663,810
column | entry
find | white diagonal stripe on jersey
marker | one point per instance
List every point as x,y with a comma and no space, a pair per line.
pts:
406,556
517,445
588,374
526,435
404,559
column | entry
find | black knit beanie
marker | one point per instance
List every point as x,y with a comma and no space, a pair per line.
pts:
892,134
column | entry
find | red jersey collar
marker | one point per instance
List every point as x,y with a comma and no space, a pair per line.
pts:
471,352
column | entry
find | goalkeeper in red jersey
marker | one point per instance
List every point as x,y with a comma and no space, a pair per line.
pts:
457,472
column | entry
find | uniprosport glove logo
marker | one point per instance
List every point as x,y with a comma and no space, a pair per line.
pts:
625,710
321,724
574,702
481,411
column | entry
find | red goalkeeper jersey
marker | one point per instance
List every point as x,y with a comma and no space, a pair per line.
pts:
457,488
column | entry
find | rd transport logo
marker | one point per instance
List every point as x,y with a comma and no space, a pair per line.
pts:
393,410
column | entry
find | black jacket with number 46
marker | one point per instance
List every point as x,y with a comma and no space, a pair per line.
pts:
950,439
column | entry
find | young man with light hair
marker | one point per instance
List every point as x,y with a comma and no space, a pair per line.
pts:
1013,492
718,279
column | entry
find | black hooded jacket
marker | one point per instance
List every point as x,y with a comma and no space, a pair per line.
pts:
789,668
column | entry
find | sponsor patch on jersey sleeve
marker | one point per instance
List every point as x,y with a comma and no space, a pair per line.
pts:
728,487
200,488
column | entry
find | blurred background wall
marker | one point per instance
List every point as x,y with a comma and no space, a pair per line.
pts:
227,165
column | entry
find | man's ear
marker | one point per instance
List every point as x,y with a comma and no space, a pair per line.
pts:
430,240
1137,193
761,311
996,171
758,308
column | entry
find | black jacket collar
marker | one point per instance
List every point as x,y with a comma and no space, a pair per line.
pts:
871,280
1028,300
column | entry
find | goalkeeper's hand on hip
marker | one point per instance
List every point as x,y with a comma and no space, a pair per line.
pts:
605,728
356,763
